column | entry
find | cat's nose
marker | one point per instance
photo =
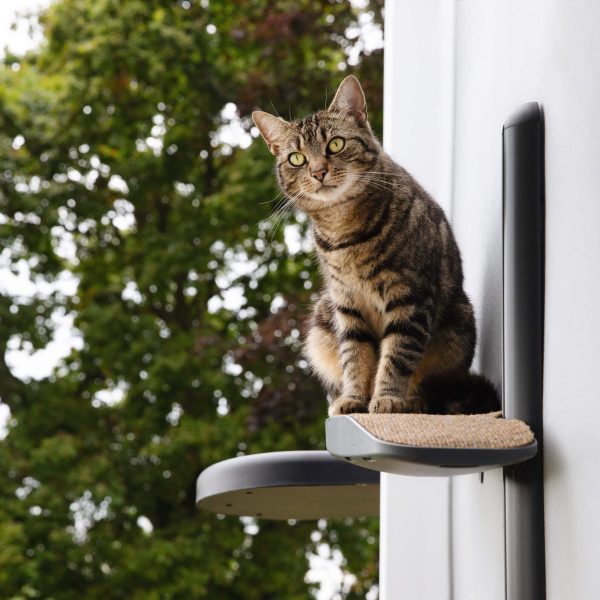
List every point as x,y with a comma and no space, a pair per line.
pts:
319,172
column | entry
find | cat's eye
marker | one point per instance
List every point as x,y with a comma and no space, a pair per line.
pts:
297,159
336,145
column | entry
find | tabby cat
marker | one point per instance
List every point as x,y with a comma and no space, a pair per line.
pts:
393,330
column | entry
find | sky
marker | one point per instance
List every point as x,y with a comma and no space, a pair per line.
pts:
18,40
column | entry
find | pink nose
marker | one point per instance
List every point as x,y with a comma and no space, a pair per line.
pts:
319,174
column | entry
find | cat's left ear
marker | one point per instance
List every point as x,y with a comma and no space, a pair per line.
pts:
273,129
350,100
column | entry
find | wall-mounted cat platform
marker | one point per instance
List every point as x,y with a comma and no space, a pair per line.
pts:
308,484
429,445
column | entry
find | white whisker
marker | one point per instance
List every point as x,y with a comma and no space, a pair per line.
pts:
377,182
273,199
282,212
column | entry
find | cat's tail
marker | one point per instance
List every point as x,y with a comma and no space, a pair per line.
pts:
467,394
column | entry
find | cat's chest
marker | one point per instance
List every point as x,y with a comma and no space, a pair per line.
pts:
348,288
351,264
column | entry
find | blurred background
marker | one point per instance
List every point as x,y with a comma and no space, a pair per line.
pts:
153,290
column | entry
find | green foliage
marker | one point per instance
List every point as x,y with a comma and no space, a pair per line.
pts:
112,168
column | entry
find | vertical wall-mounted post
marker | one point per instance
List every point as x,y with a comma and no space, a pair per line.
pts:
523,185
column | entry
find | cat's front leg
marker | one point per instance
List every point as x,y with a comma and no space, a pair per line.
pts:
401,349
358,355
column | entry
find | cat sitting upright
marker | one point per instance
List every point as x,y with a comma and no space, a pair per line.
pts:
393,330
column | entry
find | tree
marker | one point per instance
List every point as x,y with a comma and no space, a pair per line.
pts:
115,168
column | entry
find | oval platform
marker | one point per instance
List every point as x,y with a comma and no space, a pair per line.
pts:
301,485
429,445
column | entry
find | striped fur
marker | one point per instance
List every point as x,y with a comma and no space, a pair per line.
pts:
393,314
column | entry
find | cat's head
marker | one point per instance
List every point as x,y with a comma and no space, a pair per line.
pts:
326,158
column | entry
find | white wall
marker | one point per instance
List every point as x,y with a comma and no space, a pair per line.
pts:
419,91
414,545
507,52
418,134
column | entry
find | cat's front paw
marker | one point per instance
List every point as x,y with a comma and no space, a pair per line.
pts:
345,405
395,404
385,404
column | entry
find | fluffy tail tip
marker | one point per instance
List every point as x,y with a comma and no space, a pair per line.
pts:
467,394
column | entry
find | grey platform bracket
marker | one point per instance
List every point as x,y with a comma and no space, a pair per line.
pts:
309,484
348,439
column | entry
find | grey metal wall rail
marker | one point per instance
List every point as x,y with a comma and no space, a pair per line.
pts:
523,272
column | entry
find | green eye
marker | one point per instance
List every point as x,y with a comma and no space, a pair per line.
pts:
336,145
297,159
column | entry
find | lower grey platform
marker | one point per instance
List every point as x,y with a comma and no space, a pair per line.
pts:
309,484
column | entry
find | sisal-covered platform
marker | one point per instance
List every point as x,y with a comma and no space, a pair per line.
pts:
448,431
430,445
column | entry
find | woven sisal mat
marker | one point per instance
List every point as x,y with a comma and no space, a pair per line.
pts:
447,431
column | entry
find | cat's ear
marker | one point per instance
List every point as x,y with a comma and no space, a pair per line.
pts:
350,100
273,129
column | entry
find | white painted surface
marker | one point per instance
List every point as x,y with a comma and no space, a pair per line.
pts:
477,547
478,509
418,134
414,538
417,128
507,52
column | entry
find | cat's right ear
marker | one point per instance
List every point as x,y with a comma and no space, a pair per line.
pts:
273,129
350,100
